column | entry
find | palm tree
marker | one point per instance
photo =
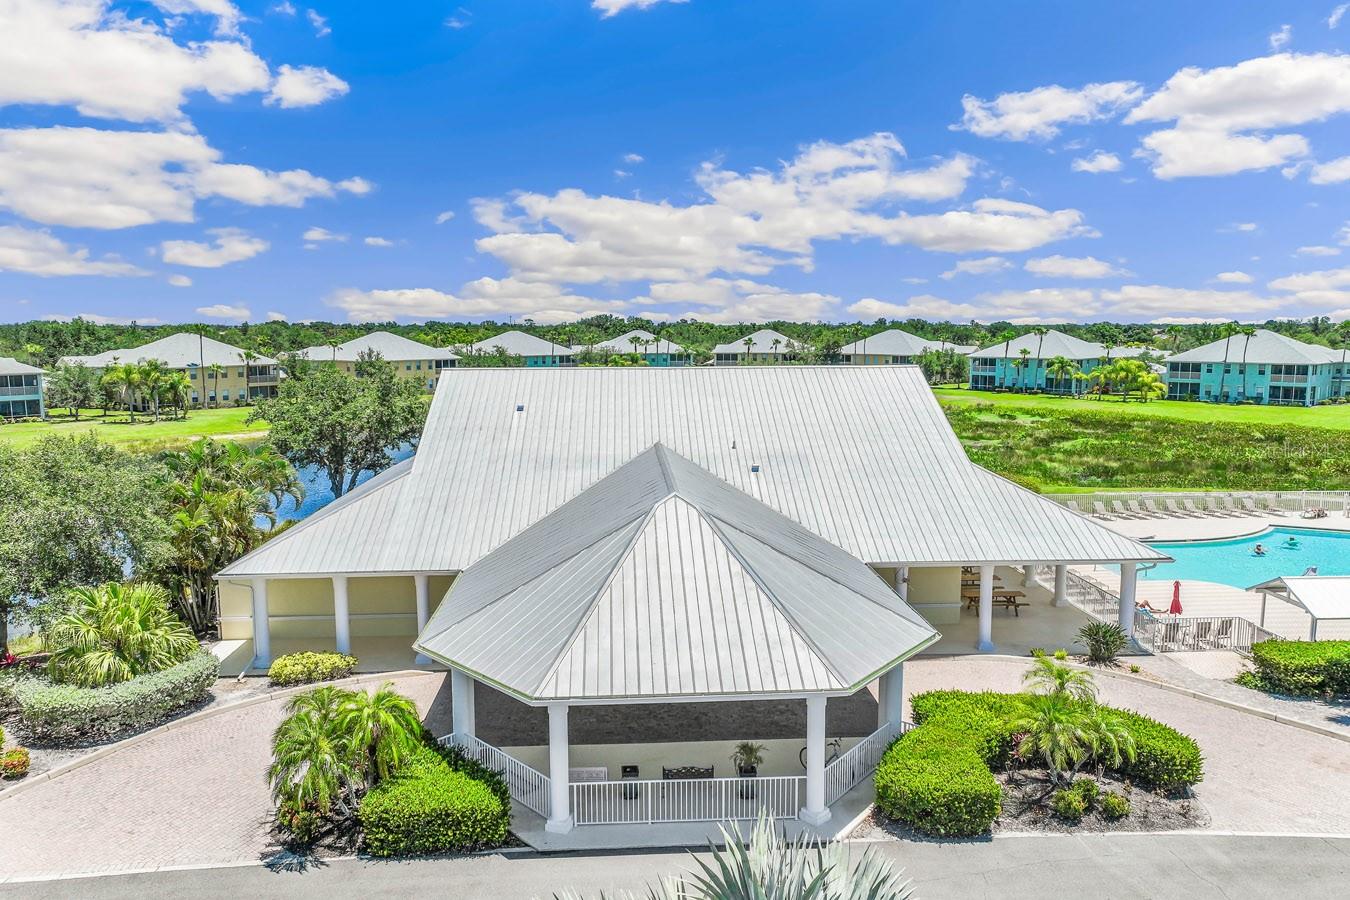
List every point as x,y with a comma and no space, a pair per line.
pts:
248,356
1062,369
178,388
200,331
1022,362
1049,677
1248,332
1175,333
1149,385
749,343
1040,331
116,632
126,378
216,371
333,343
636,341
153,377
1007,339
313,763
385,725
1226,331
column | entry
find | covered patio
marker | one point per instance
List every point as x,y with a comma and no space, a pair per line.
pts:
663,587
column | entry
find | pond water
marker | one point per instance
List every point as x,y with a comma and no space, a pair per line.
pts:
319,493
1235,561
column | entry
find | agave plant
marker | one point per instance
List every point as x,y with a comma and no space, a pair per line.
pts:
116,632
771,867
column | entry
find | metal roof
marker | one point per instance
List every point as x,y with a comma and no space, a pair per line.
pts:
762,342
504,447
1055,343
662,580
11,366
177,351
1323,596
623,344
896,342
392,347
521,344
1265,347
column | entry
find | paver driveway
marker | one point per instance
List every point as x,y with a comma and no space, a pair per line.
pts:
196,794
192,795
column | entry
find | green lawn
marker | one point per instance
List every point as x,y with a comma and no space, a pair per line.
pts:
145,435
1336,416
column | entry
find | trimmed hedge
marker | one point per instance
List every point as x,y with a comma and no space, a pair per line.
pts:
429,807
938,777
1303,668
934,778
63,712
309,667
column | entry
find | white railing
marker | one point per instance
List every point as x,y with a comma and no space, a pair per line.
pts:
1092,598
528,786
845,772
1168,634
1265,502
686,800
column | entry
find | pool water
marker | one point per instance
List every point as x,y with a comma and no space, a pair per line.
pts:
1234,563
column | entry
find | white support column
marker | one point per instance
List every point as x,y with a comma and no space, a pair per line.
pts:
902,582
1028,575
461,702
342,619
986,609
892,705
560,793
815,812
1128,573
883,685
1061,586
262,630
422,585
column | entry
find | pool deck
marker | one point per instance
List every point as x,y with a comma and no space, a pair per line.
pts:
1211,528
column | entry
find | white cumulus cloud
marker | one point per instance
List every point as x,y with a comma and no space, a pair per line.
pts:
1071,267
1039,113
1098,162
225,311
36,252
180,281
984,266
228,245
374,241
1280,38
304,86
610,8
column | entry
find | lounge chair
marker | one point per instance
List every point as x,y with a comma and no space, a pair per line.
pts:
1192,508
1153,508
1224,636
1230,504
1270,507
1214,508
1099,510
1119,509
1073,505
1250,506
1176,510
1137,509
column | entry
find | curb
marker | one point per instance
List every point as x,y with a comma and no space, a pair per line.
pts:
267,696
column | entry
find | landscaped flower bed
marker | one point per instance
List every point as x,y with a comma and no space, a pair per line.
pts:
977,756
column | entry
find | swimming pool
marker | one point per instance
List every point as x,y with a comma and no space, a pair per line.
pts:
1233,561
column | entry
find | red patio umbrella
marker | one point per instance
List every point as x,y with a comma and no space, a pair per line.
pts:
1175,608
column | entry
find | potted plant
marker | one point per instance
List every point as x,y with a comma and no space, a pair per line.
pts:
747,757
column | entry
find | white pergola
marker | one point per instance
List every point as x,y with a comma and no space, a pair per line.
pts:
664,584
1325,598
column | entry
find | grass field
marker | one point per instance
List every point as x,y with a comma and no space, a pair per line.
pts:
144,435
1337,416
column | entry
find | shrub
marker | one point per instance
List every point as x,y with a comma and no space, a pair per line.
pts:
461,762
14,763
985,718
934,779
1069,804
116,632
427,807
63,712
1306,668
1061,654
1114,806
301,824
1088,790
1163,756
1104,640
307,668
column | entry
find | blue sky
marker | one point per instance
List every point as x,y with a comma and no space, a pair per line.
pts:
179,160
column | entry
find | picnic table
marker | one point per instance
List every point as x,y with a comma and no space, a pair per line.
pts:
1004,597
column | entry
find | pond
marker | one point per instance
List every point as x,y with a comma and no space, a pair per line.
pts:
319,493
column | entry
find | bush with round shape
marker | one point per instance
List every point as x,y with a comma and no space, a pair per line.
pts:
66,712
1088,790
1069,805
115,633
427,807
310,667
300,824
1163,757
935,779
14,763
1114,806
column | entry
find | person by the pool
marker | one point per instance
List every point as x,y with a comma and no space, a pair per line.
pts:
1291,542
1258,550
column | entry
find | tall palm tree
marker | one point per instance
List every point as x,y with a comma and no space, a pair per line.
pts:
216,371
200,331
126,379
1227,330
1040,331
1062,369
178,388
1248,332
1023,362
248,356
333,343
1174,334
153,377
1007,338
749,343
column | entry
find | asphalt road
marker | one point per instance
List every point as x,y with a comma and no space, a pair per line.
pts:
1189,866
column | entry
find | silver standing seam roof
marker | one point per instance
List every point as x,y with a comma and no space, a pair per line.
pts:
390,346
1055,343
897,342
521,344
661,580
1266,347
11,366
177,351
761,342
1324,597
861,456
622,344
